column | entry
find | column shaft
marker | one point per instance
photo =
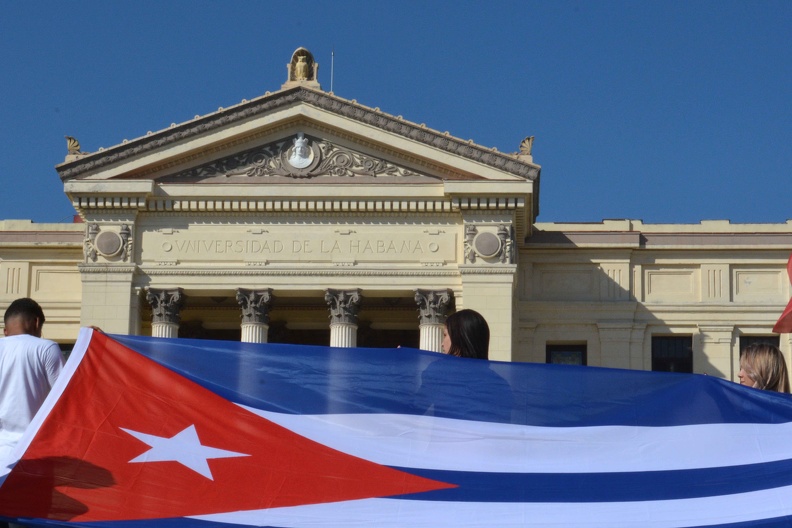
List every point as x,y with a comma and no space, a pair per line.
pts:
343,335
254,332
164,330
432,337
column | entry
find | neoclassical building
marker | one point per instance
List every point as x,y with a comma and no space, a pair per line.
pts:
303,217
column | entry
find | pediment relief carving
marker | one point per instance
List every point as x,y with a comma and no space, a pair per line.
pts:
299,156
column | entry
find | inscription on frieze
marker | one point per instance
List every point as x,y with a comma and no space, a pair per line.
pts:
295,244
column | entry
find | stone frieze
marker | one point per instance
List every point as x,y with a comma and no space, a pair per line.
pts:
285,244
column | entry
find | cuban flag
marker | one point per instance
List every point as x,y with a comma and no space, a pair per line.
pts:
174,432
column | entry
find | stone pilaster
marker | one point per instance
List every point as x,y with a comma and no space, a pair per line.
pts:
165,308
489,290
524,350
715,356
638,359
255,306
615,342
433,306
108,299
344,306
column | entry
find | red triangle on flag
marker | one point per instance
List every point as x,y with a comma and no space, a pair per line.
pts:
784,323
131,439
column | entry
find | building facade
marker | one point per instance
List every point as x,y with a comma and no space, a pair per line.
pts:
303,217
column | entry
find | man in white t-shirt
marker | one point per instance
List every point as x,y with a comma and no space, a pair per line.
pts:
29,367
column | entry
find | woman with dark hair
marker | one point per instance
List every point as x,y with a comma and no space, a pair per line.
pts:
466,334
762,366
450,388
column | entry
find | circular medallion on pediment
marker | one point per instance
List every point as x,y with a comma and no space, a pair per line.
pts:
301,157
108,243
487,244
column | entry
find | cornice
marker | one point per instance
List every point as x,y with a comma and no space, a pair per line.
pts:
236,206
41,238
104,268
717,239
654,240
242,206
261,272
116,203
323,100
488,203
502,269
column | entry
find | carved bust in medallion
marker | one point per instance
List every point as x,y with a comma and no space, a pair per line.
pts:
301,155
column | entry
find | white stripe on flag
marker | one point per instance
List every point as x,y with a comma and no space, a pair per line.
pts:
428,442
395,513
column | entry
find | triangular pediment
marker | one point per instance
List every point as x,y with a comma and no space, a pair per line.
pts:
302,157
302,147
256,138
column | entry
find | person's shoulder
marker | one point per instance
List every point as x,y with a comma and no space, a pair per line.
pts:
33,340
48,343
28,337
16,338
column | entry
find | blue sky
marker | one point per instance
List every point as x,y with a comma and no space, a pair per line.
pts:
665,111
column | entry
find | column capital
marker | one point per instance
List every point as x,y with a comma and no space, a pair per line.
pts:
434,305
344,305
255,304
165,304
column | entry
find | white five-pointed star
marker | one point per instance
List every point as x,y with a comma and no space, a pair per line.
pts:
184,448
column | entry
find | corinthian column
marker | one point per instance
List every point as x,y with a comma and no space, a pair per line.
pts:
344,306
433,306
255,306
165,308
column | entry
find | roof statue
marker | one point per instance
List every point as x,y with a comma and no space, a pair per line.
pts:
73,149
526,145
72,145
302,70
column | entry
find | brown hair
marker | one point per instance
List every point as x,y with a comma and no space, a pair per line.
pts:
765,365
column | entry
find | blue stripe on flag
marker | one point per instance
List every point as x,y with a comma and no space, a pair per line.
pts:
605,487
297,379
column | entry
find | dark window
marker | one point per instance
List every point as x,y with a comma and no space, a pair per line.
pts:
66,349
748,340
566,354
279,333
382,338
672,353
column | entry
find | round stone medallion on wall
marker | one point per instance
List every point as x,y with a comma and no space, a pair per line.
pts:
487,244
108,243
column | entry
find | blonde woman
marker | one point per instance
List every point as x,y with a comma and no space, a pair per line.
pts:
762,366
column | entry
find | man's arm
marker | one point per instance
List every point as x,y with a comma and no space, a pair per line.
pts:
53,363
